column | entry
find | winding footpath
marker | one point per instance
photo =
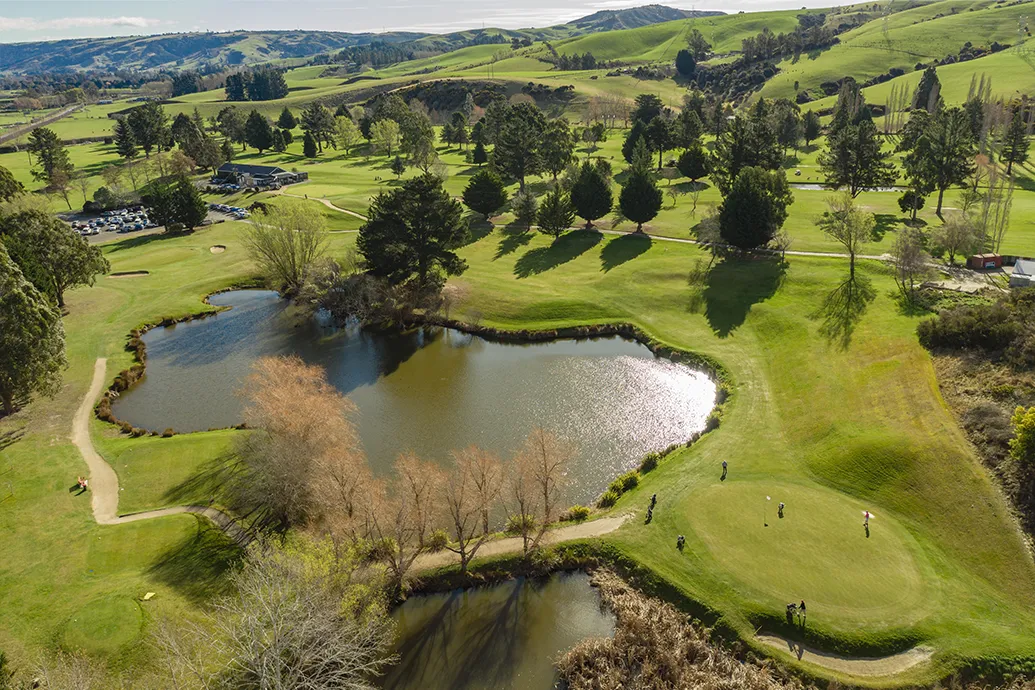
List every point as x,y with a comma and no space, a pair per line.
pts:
104,483
854,665
104,494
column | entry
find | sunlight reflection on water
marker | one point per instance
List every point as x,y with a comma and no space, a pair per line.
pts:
432,390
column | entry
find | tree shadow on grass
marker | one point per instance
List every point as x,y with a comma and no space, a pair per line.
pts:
622,249
140,241
843,308
197,566
515,236
883,222
565,248
205,485
479,229
734,285
10,437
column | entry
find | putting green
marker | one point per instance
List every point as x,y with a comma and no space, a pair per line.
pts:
103,625
818,551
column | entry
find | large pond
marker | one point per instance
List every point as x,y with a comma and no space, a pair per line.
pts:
430,390
506,636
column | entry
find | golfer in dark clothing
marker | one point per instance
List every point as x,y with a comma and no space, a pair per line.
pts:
801,610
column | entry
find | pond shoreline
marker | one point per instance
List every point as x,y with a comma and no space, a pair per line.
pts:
715,371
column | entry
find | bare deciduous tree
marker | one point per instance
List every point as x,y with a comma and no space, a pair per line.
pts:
418,479
397,516
286,240
70,672
296,463
958,235
534,484
994,216
468,491
910,260
302,616
848,224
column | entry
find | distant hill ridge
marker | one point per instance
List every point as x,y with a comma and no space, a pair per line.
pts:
228,49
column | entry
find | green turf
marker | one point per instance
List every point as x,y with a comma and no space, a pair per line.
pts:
828,430
57,562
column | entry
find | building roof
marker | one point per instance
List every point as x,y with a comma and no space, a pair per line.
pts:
1024,267
253,170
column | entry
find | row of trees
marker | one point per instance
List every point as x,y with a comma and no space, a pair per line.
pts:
260,84
302,465
41,258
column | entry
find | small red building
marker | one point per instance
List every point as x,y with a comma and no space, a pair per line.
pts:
984,261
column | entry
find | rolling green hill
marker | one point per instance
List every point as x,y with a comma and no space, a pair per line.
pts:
921,35
219,50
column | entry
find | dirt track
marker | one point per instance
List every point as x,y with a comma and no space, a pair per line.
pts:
104,483
856,666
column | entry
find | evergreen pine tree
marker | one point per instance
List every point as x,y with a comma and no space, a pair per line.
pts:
278,141
309,145
479,156
125,144
485,193
226,150
525,206
591,195
638,131
1015,143
556,213
398,167
257,131
640,199
287,119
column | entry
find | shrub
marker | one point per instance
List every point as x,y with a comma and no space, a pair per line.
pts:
168,433
713,420
1021,352
137,432
630,480
608,499
437,541
126,427
625,482
577,513
649,462
987,327
515,523
379,550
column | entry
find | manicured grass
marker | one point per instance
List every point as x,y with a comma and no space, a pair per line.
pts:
829,429
65,581
149,468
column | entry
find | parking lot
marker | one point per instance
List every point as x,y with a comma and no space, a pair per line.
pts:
122,221
133,221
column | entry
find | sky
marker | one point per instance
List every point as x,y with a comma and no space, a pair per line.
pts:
42,20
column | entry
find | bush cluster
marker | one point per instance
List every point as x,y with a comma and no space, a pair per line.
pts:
649,462
625,482
437,541
577,513
608,499
515,523
1006,326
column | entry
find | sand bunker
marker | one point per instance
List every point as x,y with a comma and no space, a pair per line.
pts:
217,249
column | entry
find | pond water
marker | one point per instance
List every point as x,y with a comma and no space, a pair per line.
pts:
430,390
506,636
